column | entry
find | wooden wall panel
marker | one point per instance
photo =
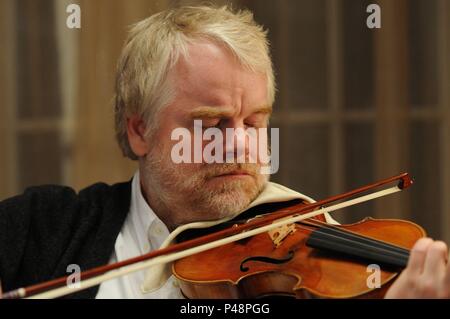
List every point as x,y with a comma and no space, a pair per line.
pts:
391,96
97,156
7,100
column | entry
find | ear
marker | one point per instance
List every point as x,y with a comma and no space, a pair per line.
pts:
136,135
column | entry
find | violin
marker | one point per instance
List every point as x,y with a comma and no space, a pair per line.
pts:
289,251
308,259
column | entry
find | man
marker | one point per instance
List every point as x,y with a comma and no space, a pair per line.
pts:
178,66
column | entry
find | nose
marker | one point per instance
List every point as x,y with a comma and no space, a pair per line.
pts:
236,143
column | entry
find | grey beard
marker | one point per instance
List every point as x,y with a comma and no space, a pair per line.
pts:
178,200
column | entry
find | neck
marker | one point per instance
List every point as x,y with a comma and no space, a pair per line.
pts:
159,207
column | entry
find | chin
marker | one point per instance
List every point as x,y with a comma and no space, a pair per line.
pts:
229,183
229,203
220,197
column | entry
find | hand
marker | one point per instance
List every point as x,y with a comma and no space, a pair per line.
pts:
427,274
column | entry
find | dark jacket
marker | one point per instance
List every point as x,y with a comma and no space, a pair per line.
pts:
50,227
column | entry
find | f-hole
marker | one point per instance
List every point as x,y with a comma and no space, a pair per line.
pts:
268,260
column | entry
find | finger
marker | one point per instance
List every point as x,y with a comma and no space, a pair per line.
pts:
417,256
435,262
447,279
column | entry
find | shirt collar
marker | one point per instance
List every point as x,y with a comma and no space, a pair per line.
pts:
150,230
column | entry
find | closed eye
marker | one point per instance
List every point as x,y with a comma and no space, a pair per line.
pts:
257,120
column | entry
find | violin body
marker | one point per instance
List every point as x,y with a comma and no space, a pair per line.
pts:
264,265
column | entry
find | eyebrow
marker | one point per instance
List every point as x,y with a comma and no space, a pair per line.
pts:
214,112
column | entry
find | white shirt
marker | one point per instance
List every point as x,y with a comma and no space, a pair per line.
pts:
141,233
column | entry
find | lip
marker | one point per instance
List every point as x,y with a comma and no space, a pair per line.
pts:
235,174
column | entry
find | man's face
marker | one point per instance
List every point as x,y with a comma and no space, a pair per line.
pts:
213,87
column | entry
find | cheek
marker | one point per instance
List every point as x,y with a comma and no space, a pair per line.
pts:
162,141
187,169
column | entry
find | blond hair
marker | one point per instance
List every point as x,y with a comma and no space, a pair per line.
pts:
154,46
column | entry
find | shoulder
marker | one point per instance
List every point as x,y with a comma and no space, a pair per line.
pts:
55,203
57,195
54,226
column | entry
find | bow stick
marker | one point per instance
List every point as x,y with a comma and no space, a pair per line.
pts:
58,287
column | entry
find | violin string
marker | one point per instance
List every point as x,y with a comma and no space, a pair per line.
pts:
359,249
354,238
357,236
348,241
351,235
338,244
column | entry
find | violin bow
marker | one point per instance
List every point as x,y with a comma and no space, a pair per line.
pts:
58,287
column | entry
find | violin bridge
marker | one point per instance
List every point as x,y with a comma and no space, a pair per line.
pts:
280,233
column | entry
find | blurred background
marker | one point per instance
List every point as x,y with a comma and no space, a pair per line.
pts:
354,104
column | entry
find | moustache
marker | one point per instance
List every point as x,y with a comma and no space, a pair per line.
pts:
214,170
